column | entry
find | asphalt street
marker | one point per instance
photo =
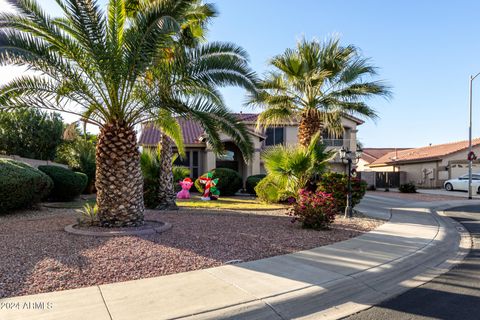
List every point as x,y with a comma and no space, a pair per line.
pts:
454,295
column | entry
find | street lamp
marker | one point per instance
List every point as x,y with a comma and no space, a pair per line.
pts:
349,157
470,158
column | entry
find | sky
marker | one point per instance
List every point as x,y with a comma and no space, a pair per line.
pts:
425,50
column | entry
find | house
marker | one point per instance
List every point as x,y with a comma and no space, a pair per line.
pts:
430,166
200,158
369,155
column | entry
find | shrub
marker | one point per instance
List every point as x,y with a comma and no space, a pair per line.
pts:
252,182
337,185
21,185
315,210
88,216
67,184
407,188
229,181
268,191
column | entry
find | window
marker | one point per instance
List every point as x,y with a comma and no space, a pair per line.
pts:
227,156
274,136
332,141
191,161
195,165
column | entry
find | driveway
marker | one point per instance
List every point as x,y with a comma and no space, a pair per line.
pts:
454,295
443,192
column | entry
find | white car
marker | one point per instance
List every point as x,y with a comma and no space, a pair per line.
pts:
461,183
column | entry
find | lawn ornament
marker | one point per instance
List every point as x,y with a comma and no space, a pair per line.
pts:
186,184
210,192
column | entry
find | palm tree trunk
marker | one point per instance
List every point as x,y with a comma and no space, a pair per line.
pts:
166,191
310,124
119,180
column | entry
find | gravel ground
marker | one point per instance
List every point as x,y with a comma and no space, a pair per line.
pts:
36,255
413,196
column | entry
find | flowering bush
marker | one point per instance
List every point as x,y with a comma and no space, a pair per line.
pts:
315,210
336,184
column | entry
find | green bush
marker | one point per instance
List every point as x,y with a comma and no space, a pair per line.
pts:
337,185
252,182
67,184
408,188
21,185
229,181
268,191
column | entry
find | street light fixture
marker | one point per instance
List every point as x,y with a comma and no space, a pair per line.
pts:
470,158
349,157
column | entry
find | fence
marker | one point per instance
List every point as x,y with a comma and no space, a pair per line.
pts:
383,179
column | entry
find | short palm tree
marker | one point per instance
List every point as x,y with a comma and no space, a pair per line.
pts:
317,83
191,76
92,64
292,167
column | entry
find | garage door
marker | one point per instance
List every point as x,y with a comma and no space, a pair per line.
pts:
459,169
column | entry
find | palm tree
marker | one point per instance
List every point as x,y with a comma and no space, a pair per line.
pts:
191,75
290,168
196,71
317,83
93,64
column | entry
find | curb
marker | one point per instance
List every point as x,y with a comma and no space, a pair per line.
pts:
432,272
118,233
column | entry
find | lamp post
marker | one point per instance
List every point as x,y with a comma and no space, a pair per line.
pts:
348,157
470,137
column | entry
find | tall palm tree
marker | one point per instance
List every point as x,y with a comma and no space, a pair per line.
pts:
91,64
317,83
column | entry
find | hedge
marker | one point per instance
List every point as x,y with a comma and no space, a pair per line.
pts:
229,181
21,185
67,184
252,182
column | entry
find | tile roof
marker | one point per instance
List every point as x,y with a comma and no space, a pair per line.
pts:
191,129
372,154
434,152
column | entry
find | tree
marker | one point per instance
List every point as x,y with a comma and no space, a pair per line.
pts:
94,65
30,133
317,83
78,152
192,75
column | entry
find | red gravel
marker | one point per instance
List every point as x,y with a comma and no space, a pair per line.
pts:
36,255
413,196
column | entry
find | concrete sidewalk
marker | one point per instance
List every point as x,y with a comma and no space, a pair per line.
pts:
329,282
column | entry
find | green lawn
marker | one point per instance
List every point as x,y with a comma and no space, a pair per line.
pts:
240,203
